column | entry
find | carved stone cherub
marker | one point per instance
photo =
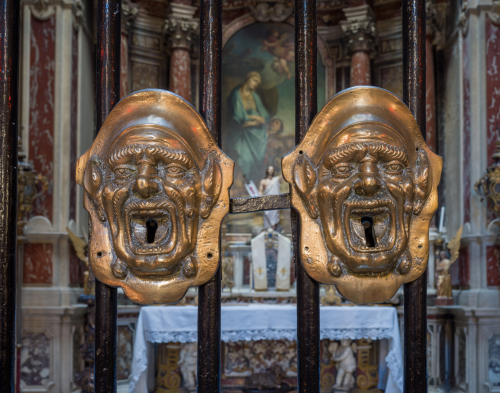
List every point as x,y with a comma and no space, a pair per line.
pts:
364,183
188,363
343,355
156,187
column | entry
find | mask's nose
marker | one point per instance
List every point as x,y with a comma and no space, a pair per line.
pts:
144,185
368,184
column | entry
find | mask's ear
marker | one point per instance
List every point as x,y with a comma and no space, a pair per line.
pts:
304,178
92,182
212,184
422,184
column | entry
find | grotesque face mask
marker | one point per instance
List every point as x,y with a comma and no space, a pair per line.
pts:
156,187
365,185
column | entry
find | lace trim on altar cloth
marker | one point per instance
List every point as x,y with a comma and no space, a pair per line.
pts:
395,366
270,334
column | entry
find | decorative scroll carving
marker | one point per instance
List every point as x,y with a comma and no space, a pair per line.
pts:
463,20
265,12
129,12
180,27
41,9
364,183
359,31
494,14
156,187
436,22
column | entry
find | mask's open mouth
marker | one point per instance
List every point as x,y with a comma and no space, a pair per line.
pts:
370,225
151,227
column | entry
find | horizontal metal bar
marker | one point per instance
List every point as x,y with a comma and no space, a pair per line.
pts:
260,203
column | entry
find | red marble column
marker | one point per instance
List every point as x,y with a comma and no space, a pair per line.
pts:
180,44
180,73
359,33
360,68
430,107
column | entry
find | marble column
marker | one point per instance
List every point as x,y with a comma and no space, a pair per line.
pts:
359,34
435,18
129,12
180,28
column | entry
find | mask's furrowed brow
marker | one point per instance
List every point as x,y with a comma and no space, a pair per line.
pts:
347,151
167,155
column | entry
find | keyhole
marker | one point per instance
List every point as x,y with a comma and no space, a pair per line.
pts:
369,235
151,227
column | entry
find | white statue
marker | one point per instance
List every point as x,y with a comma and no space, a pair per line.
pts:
270,185
188,364
346,362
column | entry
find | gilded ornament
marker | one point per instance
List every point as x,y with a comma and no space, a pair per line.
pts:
489,185
365,185
156,187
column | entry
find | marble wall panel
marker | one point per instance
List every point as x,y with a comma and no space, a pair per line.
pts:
35,359
492,93
493,265
145,76
464,267
391,78
41,102
494,360
37,267
466,127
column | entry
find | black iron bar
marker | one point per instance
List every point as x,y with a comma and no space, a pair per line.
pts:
260,203
308,345
415,293
107,96
209,294
9,89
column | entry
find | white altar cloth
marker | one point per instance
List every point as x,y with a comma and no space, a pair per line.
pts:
161,324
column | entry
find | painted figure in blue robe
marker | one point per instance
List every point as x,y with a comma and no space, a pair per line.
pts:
247,120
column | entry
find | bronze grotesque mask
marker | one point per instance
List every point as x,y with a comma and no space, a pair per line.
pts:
365,185
156,187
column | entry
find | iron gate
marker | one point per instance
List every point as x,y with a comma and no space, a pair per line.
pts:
209,306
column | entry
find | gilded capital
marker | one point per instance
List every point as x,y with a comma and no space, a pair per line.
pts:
359,30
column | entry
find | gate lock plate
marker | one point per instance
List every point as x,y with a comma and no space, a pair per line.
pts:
156,187
364,183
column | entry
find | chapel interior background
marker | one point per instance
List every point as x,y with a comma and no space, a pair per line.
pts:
159,49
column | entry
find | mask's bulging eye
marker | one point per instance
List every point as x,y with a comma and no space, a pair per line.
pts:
342,170
175,170
393,167
123,172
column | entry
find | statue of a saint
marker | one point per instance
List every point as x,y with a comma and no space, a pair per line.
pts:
270,185
247,118
343,355
443,276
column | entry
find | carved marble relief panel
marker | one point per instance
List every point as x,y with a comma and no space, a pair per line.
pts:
35,359
494,360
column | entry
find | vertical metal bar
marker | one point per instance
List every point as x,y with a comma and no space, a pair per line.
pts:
415,293
308,346
107,96
9,88
209,295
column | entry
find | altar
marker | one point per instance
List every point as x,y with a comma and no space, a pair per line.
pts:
254,322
